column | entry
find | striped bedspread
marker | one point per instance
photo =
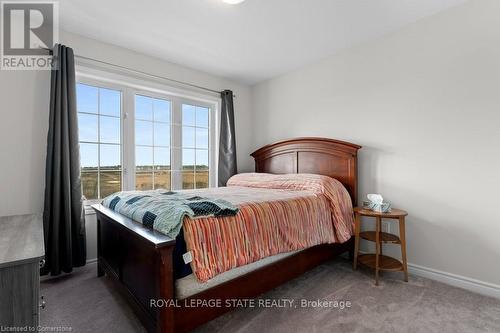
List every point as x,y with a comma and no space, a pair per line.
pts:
278,214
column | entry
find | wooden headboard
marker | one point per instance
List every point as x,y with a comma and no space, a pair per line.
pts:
328,157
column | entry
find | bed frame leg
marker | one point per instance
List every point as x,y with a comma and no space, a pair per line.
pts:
351,254
100,271
350,248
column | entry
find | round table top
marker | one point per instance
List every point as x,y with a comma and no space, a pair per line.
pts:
393,213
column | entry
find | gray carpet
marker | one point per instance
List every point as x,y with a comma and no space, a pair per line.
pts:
88,304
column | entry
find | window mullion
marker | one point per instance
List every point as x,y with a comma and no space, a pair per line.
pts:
194,161
176,145
153,146
128,142
98,143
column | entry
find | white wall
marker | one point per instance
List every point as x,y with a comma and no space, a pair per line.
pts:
425,104
24,104
24,98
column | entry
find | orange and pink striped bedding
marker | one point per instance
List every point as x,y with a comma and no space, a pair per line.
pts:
278,214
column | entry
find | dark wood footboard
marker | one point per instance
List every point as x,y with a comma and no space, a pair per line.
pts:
140,261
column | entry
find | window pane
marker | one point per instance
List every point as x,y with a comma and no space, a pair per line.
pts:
88,156
109,102
201,117
201,160
188,159
143,107
144,181
187,180
202,138
101,162
89,185
143,133
188,168
188,115
143,158
162,158
87,127
201,179
188,137
86,98
110,182
162,134
110,157
162,180
161,110
110,129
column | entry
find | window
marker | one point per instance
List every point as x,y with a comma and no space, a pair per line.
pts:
141,139
99,121
195,143
152,143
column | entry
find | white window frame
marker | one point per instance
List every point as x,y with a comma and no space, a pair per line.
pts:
121,90
130,85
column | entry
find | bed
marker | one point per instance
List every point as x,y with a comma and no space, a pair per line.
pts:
139,259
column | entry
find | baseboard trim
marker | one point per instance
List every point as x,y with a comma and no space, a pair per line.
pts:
91,261
459,281
478,286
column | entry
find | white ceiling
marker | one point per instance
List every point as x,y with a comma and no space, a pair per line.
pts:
249,42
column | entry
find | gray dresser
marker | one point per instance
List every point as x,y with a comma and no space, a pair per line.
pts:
21,254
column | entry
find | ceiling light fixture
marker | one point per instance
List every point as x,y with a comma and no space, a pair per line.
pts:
233,2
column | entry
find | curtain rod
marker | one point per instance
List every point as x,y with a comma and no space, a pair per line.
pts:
143,73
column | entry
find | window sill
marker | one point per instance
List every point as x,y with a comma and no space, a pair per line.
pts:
87,206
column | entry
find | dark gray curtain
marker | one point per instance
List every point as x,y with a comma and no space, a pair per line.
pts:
227,143
63,217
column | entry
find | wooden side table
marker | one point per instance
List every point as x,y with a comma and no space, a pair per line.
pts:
378,261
